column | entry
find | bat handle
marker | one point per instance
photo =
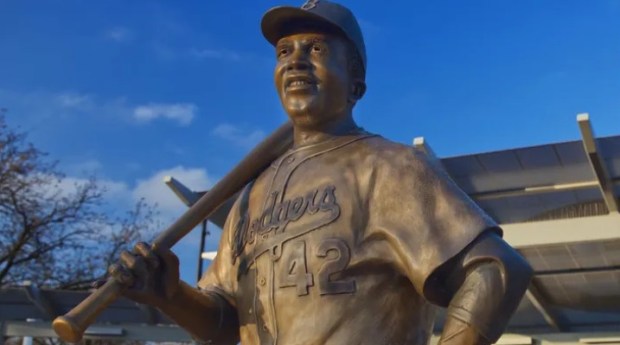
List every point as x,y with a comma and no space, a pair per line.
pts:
71,326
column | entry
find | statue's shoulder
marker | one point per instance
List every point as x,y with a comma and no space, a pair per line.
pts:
385,152
392,161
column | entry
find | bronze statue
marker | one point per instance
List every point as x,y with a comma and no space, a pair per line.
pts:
347,238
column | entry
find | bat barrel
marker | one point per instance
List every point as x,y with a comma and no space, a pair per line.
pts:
72,325
67,329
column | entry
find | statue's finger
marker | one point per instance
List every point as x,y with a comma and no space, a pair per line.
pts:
121,274
135,264
145,250
98,283
171,270
171,260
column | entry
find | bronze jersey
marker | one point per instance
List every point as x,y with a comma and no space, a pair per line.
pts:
333,244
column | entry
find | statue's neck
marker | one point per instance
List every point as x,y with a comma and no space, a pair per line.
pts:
304,136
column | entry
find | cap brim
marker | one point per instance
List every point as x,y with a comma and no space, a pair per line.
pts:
277,18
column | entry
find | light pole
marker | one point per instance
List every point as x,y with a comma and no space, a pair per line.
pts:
203,237
189,197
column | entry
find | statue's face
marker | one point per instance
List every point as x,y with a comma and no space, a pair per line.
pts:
312,78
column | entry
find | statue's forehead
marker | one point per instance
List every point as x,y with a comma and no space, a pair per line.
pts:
310,37
305,36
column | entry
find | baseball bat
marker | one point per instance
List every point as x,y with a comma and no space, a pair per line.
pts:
71,326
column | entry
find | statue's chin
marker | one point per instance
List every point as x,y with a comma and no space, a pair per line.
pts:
300,110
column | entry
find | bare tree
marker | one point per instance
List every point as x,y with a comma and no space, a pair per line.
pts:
54,233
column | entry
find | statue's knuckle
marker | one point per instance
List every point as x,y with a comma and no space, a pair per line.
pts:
143,247
125,255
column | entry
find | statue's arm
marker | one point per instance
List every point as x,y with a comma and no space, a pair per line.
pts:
152,277
206,315
488,281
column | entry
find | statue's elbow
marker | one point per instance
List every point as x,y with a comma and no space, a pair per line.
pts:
517,272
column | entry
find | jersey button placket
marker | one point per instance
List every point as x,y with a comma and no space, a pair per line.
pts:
263,313
273,323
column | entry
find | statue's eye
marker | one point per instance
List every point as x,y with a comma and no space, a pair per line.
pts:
282,51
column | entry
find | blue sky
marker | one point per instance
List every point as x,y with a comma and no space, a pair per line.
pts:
133,91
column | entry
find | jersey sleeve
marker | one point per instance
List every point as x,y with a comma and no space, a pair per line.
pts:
425,218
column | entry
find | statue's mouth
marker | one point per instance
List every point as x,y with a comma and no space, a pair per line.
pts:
299,82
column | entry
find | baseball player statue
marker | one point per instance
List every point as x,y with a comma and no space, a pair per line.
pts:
348,238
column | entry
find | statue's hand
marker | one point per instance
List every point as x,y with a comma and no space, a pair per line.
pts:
150,277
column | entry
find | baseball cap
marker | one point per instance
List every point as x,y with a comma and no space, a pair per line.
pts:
320,12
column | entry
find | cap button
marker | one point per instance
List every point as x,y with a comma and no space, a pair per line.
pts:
310,4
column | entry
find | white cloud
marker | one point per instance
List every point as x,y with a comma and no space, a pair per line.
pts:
114,189
37,106
114,192
116,197
154,190
119,34
121,196
74,100
241,137
223,54
182,112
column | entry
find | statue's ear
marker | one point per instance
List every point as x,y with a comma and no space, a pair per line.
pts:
358,89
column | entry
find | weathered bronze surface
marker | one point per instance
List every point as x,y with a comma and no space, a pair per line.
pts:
347,238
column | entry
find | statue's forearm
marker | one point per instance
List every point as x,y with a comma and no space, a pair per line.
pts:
206,316
473,306
489,281
457,332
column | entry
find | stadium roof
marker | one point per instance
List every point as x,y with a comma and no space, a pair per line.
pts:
570,179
